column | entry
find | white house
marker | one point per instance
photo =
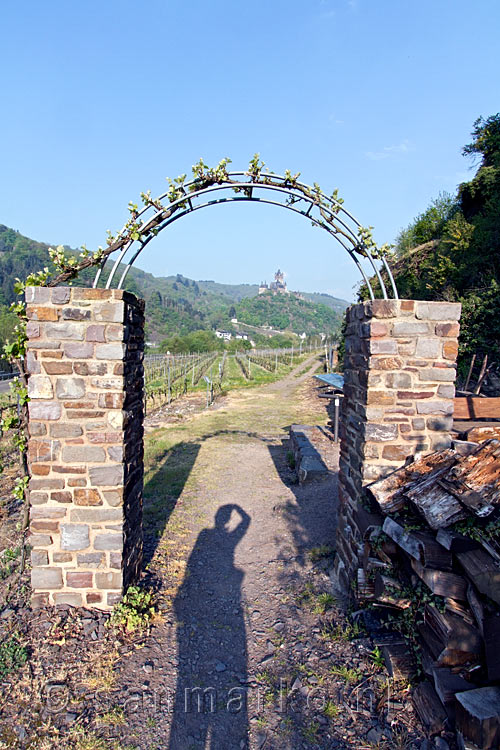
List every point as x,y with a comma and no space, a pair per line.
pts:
226,335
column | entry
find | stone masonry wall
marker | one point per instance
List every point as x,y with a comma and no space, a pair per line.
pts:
85,450
399,375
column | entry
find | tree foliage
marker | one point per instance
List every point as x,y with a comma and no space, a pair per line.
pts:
460,259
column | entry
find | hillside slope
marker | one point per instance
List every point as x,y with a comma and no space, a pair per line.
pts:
174,304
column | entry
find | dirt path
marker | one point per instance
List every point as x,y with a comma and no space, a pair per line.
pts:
249,649
247,652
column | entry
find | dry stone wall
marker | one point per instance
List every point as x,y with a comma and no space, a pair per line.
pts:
85,450
399,375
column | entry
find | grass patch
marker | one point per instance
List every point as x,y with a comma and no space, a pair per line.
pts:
350,676
320,553
13,655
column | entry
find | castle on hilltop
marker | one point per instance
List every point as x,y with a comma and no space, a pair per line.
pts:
278,286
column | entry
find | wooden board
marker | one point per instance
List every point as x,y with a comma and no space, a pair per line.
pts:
483,571
429,708
492,646
440,582
478,716
447,683
473,407
475,479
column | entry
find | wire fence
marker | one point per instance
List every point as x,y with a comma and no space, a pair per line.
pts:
168,376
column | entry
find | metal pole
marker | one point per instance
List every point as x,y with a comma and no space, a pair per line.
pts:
336,420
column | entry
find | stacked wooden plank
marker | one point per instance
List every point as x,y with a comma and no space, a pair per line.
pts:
432,558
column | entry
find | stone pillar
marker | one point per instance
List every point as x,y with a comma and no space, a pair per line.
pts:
85,450
399,375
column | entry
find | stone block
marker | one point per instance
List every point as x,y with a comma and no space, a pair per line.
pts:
74,536
380,398
381,308
107,384
396,452
93,597
428,348
58,368
40,386
83,454
90,368
78,580
109,351
95,515
448,329
70,388
78,351
438,374
418,424
91,560
435,407
43,450
37,429
39,557
65,332
87,497
46,484
46,578
40,540
32,364
36,294
75,313
415,395
383,346
398,380
62,557
440,424
410,328
113,497
115,453
379,433
446,391
60,295
96,333
38,498
438,311
68,597
47,512
41,313
110,312
110,400
450,350
62,429
32,329
106,476
41,525
110,541
108,580
114,333
387,363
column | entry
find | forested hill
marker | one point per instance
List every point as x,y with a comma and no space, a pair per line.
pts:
174,304
451,251
288,312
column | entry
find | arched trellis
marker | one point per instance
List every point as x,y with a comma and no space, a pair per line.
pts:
268,188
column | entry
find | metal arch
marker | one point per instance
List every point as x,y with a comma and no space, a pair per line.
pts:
344,228
217,201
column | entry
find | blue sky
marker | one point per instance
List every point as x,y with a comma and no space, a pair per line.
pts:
102,100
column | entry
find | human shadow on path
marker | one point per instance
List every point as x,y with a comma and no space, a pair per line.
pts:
210,706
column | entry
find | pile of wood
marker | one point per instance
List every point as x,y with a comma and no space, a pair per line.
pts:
431,569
